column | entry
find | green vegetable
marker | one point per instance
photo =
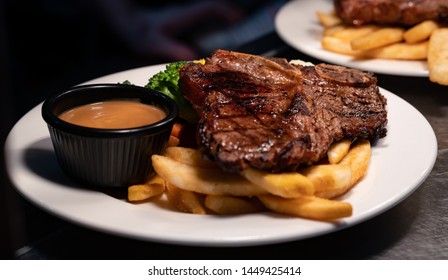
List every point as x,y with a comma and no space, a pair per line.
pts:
167,82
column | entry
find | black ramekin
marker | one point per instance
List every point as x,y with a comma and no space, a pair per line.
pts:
107,157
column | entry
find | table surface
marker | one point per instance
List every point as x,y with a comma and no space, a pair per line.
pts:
416,228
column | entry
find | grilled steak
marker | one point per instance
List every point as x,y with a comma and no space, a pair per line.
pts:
391,12
267,114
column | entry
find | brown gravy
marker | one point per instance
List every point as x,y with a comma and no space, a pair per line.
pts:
113,114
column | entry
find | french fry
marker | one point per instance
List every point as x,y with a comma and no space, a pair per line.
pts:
231,205
438,56
420,32
176,130
358,159
189,156
400,51
328,19
173,141
350,33
153,187
185,201
309,207
307,194
338,150
379,38
340,46
329,180
331,30
291,184
203,180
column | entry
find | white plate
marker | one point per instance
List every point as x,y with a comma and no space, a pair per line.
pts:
296,23
391,177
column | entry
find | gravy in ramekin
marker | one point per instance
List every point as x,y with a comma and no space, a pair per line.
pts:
114,114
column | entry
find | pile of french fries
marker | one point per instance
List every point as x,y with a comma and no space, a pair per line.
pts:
194,184
427,40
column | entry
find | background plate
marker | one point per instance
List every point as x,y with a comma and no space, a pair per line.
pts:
296,23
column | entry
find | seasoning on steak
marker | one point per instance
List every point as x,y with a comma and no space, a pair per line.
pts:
391,12
267,114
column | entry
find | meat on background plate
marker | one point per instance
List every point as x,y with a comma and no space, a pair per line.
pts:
391,12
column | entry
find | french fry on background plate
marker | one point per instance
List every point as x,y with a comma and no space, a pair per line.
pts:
349,33
438,56
401,51
420,32
362,42
328,19
378,38
340,46
331,30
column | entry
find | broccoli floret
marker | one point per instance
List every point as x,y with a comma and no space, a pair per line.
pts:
127,82
167,82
